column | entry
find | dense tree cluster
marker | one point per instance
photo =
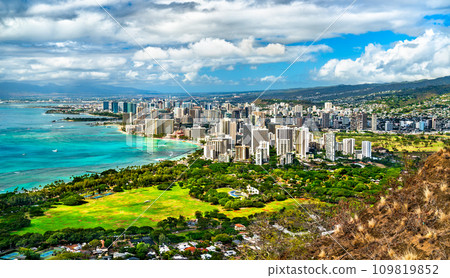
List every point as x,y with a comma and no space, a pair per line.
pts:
205,180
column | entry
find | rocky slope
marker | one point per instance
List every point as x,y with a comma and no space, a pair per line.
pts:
409,223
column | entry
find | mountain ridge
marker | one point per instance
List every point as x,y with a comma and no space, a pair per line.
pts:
12,89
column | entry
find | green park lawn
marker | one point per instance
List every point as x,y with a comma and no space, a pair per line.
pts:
121,209
400,143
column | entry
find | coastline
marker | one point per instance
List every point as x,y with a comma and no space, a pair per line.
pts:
184,155
119,128
31,183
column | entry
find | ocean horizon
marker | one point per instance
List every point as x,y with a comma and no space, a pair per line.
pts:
38,148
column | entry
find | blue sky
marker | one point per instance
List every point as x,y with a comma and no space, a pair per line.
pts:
213,46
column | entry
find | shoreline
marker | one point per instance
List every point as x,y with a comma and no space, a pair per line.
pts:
184,155
38,187
119,128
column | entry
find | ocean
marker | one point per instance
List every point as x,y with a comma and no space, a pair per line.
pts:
35,151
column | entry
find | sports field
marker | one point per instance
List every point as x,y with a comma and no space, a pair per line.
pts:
121,209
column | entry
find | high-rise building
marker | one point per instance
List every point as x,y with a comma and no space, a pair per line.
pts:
354,122
233,130
158,126
106,105
374,122
178,112
325,120
330,145
224,126
388,126
215,147
348,146
194,113
422,125
115,107
336,124
366,149
287,158
283,146
284,140
262,153
301,141
247,135
298,110
131,107
122,106
339,146
258,135
328,106
434,123
242,153
362,121
345,121
358,121
198,132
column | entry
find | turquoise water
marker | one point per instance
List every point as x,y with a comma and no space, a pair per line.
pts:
10,256
47,254
36,151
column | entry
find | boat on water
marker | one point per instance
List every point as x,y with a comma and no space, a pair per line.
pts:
55,150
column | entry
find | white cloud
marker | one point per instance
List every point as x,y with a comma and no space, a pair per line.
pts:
45,67
167,22
218,53
427,56
132,74
138,64
39,28
271,78
77,37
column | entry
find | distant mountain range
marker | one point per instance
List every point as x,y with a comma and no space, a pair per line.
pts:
84,90
21,90
334,92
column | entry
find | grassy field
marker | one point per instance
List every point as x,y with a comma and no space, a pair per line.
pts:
400,143
121,209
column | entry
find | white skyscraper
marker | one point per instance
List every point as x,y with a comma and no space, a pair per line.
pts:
374,122
328,106
366,149
258,135
224,126
178,112
262,153
330,145
284,140
348,146
158,126
301,141
388,126
298,109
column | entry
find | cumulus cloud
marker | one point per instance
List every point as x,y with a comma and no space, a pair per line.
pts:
218,53
427,56
41,66
74,38
168,22
271,78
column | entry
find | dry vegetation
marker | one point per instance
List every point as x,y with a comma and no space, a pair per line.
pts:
410,223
